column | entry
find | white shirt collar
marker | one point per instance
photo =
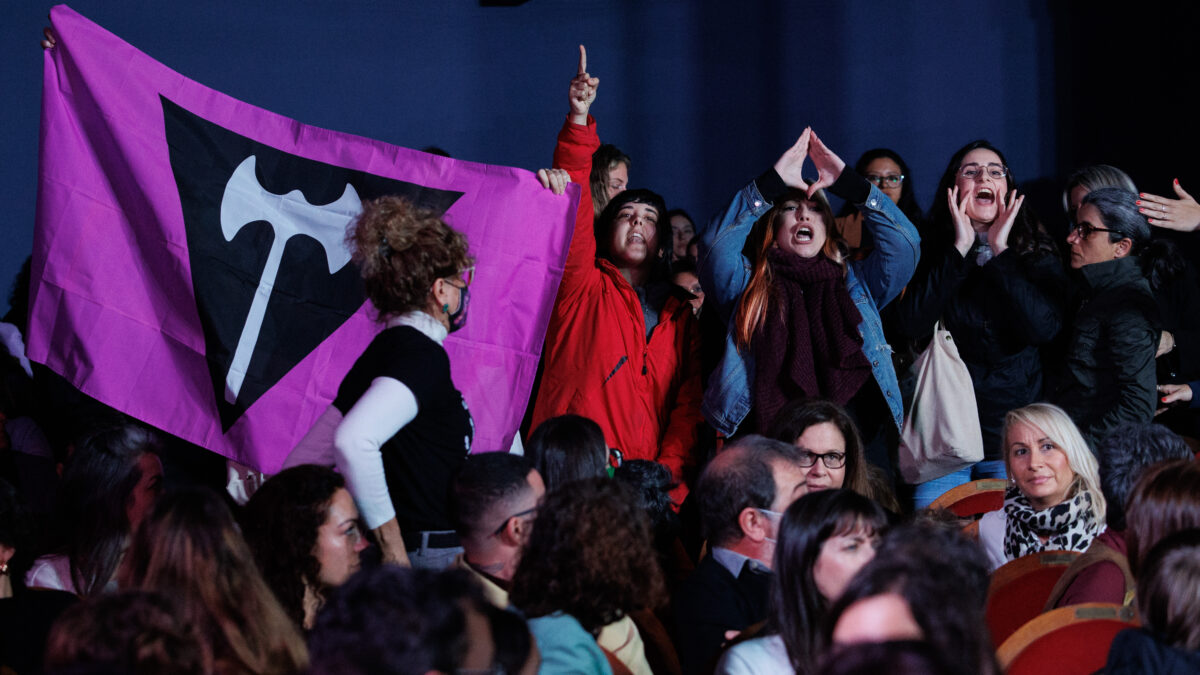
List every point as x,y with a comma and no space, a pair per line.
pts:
422,321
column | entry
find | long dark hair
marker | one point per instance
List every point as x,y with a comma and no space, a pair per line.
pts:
280,523
797,607
567,448
908,193
1026,237
91,515
191,548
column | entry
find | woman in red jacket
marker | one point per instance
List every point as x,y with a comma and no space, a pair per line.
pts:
622,347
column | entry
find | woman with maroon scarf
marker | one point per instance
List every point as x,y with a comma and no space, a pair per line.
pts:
803,318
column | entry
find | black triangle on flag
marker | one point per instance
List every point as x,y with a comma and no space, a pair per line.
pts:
266,243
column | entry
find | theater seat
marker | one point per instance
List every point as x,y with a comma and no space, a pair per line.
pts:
974,498
1070,640
1019,589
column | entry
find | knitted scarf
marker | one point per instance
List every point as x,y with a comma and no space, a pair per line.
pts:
1070,526
809,344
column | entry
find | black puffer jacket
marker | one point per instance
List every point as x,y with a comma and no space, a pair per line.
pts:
1108,377
998,315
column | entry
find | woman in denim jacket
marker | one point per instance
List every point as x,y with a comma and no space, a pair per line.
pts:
803,319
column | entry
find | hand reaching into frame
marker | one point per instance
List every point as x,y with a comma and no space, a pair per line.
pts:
582,92
1006,215
1181,214
829,166
554,180
1173,395
789,164
49,41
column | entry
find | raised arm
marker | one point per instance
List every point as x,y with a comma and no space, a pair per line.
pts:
724,271
576,142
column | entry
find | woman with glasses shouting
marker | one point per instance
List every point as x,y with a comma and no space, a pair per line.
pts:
992,275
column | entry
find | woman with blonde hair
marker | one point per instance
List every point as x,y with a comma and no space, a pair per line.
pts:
1054,501
190,549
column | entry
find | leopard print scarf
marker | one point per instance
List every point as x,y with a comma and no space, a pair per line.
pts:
1070,526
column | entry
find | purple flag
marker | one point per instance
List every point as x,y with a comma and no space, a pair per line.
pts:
190,269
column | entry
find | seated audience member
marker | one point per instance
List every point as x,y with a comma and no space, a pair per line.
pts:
830,447
304,531
683,231
391,620
1102,573
1054,501
589,561
109,484
25,615
127,632
620,348
494,501
742,495
515,648
651,483
825,538
190,548
1166,499
926,582
567,448
1168,599
1109,374
609,175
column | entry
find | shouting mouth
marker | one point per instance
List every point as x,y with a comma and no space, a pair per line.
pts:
803,235
985,197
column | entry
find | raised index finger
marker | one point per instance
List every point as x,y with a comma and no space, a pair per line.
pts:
582,59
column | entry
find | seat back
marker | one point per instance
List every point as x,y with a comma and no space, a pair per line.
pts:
1019,589
1065,641
974,498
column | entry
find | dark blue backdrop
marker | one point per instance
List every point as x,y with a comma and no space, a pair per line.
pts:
703,94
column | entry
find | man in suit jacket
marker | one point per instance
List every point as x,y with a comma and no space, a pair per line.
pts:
742,495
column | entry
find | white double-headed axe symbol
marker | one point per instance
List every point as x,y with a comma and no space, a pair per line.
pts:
246,201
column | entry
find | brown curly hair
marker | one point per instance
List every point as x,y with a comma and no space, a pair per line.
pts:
402,249
590,556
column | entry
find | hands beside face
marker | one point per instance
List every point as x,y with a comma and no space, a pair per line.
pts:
964,234
1006,215
1181,214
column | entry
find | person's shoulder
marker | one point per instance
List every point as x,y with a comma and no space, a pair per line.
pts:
759,655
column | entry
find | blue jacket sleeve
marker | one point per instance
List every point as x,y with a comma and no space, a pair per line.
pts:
724,271
888,268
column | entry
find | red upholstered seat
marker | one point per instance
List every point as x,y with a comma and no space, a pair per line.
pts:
1019,589
1065,641
974,498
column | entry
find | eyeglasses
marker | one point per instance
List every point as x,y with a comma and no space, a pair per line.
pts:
972,171
1086,229
832,460
890,180
518,514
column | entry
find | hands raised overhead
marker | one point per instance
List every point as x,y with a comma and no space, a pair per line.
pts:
582,92
829,166
1181,214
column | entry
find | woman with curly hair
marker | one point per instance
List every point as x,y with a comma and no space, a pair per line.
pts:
588,563
399,427
303,529
190,549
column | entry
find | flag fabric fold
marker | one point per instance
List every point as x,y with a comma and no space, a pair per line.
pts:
190,269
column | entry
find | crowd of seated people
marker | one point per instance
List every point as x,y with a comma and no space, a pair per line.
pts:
670,514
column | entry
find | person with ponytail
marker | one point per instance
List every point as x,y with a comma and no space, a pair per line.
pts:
803,319
1109,375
